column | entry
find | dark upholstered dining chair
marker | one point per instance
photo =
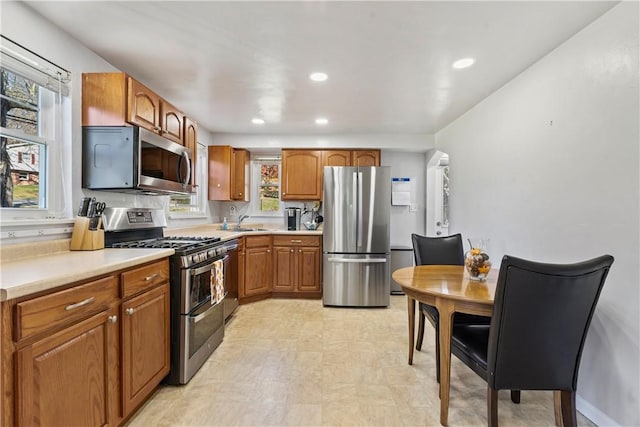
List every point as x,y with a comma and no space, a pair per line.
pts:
541,316
440,251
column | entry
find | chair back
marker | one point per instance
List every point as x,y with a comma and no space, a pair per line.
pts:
541,316
438,250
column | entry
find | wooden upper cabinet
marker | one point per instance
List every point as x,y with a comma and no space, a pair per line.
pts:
117,99
365,158
228,169
172,122
302,174
337,158
143,106
239,174
191,142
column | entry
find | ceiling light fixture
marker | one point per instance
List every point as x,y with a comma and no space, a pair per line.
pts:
322,121
463,63
318,77
257,121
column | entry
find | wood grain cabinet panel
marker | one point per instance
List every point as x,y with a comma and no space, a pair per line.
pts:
302,174
63,379
144,278
297,265
172,122
143,106
64,307
365,158
228,173
145,345
337,158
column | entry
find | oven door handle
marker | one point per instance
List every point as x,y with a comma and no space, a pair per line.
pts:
197,271
204,315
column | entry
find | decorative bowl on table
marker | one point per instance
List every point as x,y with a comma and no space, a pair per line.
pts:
476,260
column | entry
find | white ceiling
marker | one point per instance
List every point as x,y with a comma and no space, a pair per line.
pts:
389,63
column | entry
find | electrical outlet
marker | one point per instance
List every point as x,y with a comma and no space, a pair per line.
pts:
232,210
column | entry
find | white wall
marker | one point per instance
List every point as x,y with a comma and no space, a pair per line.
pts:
547,167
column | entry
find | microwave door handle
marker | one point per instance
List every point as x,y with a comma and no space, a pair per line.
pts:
185,157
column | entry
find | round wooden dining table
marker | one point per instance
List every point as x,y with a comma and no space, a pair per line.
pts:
449,289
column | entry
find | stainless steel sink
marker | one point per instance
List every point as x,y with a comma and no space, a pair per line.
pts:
250,229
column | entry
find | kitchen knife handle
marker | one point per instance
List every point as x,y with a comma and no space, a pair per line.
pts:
84,206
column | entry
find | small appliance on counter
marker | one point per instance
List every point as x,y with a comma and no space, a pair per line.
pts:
292,218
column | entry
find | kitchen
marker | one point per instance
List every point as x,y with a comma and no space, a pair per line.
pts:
519,182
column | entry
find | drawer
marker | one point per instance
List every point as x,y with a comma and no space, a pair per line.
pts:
146,277
63,307
292,240
257,241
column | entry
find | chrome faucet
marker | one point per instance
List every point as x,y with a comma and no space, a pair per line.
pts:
240,219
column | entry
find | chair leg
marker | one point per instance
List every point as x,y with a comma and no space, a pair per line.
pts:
569,418
437,356
557,407
515,396
420,330
492,407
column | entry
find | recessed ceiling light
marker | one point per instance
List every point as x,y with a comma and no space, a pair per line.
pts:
322,121
318,77
463,63
257,121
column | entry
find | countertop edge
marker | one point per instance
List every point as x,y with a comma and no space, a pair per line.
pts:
51,282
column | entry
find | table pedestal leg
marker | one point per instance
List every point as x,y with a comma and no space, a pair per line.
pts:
411,310
445,312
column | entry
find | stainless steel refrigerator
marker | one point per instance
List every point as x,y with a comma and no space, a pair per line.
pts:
355,234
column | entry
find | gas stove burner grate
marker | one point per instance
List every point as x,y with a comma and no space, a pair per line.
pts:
170,242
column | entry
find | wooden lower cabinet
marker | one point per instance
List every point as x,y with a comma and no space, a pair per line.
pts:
297,265
257,266
88,355
65,379
145,345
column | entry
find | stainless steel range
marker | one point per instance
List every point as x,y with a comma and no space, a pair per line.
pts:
197,324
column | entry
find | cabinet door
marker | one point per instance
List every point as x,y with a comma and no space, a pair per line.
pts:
65,378
145,345
219,172
239,168
172,122
143,106
337,158
366,157
301,175
257,278
284,268
241,268
309,279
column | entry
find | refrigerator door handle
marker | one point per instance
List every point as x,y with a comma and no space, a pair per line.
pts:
358,260
359,209
354,210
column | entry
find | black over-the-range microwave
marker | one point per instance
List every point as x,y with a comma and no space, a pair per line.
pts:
133,160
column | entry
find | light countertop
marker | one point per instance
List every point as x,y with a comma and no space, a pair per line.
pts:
28,276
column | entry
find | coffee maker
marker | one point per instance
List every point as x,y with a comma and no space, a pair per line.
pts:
292,218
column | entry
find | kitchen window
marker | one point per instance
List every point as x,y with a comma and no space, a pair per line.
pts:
193,205
34,118
265,178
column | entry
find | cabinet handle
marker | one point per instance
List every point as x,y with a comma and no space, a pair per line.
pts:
153,276
80,304
157,128
113,319
300,250
291,250
129,311
268,250
296,241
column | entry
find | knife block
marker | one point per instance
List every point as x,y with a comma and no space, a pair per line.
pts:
83,239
